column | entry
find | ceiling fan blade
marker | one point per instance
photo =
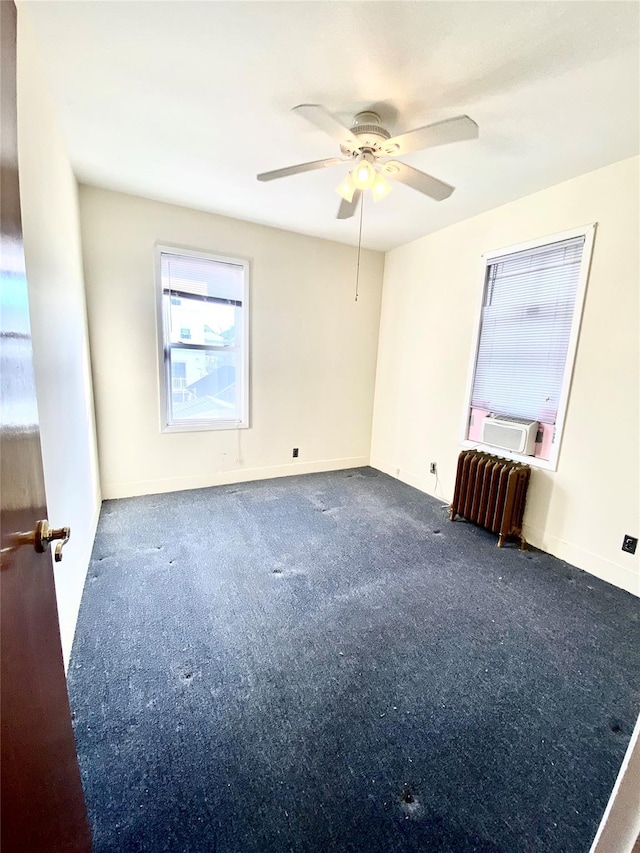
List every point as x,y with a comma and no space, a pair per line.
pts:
326,121
451,130
420,181
303,167
348,208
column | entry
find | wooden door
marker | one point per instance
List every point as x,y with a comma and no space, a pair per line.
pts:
42,802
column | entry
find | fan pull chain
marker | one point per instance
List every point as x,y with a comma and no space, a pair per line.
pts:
359,245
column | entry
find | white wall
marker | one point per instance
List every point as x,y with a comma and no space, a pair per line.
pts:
313,349
431,288
51,229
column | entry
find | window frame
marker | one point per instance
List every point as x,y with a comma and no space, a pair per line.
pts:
164,375
588,232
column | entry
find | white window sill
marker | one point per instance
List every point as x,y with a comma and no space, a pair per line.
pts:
201,426
546,464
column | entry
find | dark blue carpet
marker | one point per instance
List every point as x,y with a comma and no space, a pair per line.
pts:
326,663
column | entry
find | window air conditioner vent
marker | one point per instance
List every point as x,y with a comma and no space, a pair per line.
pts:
514,434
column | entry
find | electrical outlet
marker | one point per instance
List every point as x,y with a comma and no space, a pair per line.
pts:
432,468
295,452
629,544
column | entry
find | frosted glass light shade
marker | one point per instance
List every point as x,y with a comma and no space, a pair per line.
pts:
363,175
381,187
346,188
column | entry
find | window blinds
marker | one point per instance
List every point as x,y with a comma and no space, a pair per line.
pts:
208,279
526,323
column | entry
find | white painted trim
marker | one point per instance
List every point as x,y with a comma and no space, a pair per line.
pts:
86,559
588,232
223,478
245,345
202,426
620,825
558,237
509,454
624,577
473,355
585,268
594,564
408,477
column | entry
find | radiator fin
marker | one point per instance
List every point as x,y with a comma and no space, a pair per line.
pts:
491,492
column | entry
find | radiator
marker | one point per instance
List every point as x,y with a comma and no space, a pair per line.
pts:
491,492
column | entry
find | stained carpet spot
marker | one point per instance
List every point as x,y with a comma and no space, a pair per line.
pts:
186,676
276,572
436,532
616,726
409,802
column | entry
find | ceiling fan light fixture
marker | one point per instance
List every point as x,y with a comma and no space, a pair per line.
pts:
367,144
363,175
381,187
346,188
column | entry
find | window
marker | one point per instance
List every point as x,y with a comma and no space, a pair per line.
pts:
203,334
527,336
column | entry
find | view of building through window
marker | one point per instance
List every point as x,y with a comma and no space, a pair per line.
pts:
203,330
203,381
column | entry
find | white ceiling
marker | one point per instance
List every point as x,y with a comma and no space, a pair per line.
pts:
187,101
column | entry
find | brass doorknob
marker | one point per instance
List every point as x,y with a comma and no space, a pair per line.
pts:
45,535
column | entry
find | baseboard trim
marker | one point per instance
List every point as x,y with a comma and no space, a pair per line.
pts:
408,477
67,635
225,478
588,561
575,555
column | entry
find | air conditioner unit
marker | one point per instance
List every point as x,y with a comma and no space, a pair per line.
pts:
513,434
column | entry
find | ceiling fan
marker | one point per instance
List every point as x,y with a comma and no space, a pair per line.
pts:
370,145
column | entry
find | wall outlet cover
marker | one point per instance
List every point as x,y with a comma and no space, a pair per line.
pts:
295,452
629,544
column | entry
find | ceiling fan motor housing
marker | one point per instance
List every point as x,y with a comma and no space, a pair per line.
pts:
370,133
